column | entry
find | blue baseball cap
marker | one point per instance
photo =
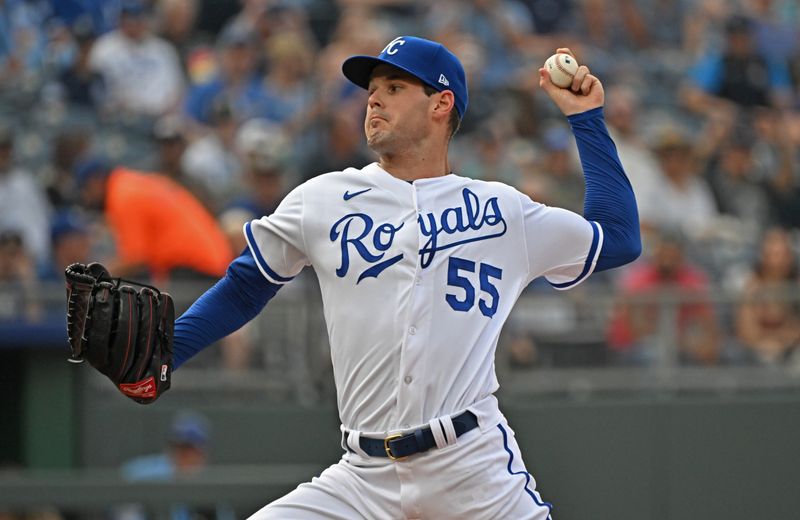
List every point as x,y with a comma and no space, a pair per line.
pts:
88,168
67,222
189,428
428,61
134,8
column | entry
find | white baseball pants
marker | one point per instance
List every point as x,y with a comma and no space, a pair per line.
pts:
480,476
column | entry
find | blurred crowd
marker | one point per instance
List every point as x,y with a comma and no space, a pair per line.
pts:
144,133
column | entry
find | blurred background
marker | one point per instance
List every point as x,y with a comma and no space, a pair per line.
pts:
666,389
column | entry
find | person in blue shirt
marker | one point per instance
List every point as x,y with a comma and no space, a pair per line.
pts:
237,80
186,454
738,74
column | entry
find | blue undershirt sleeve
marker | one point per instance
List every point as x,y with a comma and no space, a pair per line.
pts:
233,301
609,198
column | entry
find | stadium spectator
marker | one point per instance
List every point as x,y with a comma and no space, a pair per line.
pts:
488,158
623,113
739,74
170,136
248,18
634,32
774,151
501,26
553,22
15,264
263,19
554,179
775,34
637,330
142,72
733,177
237,79
211,163
767,320
561,162
656,24
186,454
175,23
262,148
777,152
18,278
67,146
23,205
616,30
70,242
80,85
680,198
23,39
101,15
160,229
290,97
704,25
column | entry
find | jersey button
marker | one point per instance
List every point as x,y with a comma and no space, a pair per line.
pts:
408,379
412,330
419,280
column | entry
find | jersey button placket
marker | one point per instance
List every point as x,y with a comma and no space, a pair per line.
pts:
410,403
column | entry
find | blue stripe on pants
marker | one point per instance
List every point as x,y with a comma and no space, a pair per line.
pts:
533,494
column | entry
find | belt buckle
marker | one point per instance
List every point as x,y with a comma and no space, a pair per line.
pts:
388,449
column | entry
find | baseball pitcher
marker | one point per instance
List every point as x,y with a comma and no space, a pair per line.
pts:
419,269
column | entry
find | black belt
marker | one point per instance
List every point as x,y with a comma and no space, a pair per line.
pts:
420,440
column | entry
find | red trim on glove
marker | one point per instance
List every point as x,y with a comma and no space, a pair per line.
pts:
145,389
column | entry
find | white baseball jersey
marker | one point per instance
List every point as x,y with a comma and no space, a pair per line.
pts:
417,280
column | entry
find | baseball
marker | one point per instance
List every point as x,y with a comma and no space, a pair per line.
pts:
562,68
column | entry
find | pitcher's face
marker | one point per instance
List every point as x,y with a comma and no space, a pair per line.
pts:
398,111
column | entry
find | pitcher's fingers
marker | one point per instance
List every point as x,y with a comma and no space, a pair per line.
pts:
577,80
544,80
587,84
565,50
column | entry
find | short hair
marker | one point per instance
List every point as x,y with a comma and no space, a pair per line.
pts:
455,119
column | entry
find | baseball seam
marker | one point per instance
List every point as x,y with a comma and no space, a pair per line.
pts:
560,67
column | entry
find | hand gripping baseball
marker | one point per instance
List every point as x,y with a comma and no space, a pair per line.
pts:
585,92
124,333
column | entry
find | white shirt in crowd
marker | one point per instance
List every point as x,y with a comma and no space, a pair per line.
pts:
24,208
143,77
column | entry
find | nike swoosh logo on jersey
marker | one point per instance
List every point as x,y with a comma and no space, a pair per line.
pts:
348,195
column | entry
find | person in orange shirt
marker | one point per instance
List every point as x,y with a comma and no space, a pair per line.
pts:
158,225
